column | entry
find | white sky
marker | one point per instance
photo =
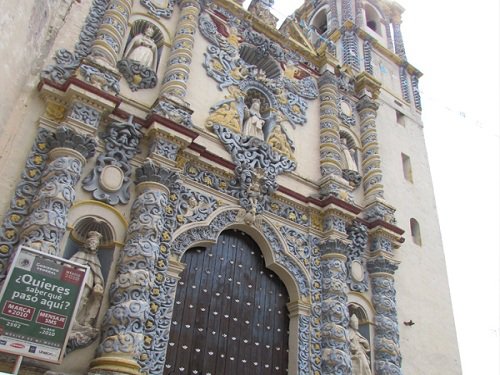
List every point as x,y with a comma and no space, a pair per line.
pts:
456,46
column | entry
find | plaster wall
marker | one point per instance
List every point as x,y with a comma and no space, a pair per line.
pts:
421,281
31,32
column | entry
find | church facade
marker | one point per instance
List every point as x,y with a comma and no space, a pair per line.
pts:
249,199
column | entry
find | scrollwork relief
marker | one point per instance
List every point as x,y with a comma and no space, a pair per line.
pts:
110,179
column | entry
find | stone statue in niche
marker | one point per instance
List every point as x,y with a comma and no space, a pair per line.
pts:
253,121
84,330
280,138
142,49
349,156
360,349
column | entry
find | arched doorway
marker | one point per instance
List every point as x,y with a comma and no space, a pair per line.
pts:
230,314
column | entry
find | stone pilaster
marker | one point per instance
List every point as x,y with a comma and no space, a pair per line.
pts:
347,10
367,56
46,223
388,34
336,358
403,79
399,47
108,45
359,19
350,50
173,90
416,92
334,15
24,195
125,321
381,267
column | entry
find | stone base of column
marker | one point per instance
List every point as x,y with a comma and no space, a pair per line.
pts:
114,365
335,186
174,109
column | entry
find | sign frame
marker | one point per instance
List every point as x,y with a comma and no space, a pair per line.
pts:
65,266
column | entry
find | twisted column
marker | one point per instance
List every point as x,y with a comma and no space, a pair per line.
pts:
107,46
330,149
46,223
335,347
370,164
386,341
125,321
179,62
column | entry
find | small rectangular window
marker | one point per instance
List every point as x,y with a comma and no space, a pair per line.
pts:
400,118
407,168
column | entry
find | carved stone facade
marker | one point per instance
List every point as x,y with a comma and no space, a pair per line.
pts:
265,131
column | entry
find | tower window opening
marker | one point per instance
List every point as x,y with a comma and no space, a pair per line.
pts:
400,118
407,172
319,22
415,232
372,19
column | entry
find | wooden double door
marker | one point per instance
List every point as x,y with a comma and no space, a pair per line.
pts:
230,315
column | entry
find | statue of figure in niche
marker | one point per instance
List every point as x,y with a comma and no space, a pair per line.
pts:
84,330
360,349
253,121
349,156
280,138
142,49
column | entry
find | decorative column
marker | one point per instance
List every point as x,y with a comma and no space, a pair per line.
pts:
108,45
368,88
125,321
381,267
171,103
100,67
330,149
46,224
399,47
336,357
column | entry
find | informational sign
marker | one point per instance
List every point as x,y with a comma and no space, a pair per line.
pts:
38,301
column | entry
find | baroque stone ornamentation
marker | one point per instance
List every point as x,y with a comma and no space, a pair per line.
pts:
177,113
102,79
286,211
386,340
335,315
244,60
137,75
257,167
125,321
159,9
24,194
85,114
110,179
358,234
67,62
46,223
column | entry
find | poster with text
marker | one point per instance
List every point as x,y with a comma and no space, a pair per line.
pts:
38,300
